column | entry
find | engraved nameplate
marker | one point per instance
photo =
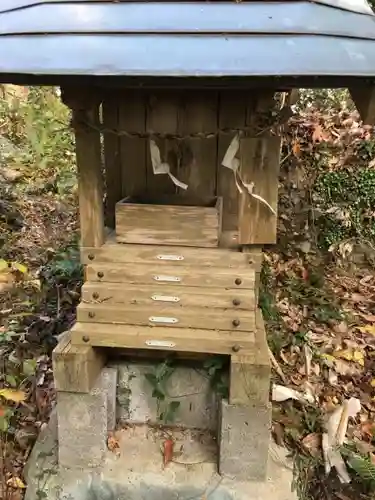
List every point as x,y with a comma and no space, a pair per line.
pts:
166,278
170,257
159,343
162,319
165,298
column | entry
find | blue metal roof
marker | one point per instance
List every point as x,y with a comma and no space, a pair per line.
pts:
300,38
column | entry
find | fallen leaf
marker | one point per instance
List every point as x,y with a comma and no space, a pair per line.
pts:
167,451
370,329
312,443
318,134
3,265
13,395
296,148
113,444
16,482
328,357
19,267
367,317
351,355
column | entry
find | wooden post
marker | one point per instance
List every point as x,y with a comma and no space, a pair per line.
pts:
364,99
112,160
259,165
75,367
250,372
85,105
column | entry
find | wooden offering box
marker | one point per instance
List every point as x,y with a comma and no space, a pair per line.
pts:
169,220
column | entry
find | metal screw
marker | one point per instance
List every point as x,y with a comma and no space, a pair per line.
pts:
85,338
251,261
238,281
236,322
236,348
91,314
100,274
91,256
95,295
236,302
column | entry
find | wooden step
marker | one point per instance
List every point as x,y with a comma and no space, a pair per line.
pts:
151,274
168,316
112,252
161,338
152,295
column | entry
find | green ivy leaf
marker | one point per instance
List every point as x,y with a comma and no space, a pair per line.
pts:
29,367
156,393
11,380
151,378
170,414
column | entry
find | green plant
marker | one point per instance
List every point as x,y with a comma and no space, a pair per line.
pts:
158,379
217,372
345,200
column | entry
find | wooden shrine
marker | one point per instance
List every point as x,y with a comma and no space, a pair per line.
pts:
169,268
178,109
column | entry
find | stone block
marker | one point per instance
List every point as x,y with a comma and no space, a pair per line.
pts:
244,437
83,421
110,375
192,389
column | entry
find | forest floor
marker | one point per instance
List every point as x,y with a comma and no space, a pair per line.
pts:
317,296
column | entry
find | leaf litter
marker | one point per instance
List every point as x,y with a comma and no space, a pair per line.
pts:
318,299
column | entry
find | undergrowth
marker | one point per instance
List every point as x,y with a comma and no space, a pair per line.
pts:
346,200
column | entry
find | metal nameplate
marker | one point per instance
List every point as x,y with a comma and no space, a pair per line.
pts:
159,343
166,278
170,257
165,298
162,319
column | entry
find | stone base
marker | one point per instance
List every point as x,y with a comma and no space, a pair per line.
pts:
84,421
244,438
137,472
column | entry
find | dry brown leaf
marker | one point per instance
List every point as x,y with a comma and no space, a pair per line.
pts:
113,444
312,443
296,148
367,317
318,134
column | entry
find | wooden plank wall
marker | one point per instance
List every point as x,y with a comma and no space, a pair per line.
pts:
195,161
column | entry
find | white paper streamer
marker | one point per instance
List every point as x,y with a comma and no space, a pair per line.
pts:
160,167
230,161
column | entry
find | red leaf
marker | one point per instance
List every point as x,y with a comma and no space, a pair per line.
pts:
168,451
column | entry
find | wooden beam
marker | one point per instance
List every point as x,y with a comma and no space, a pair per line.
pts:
198,156
112,159
259,166
134,150
161,338
75,367
90,176
250,371
364,99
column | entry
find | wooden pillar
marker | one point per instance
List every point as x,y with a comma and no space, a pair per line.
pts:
112,159
364,99
259,167
85,107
